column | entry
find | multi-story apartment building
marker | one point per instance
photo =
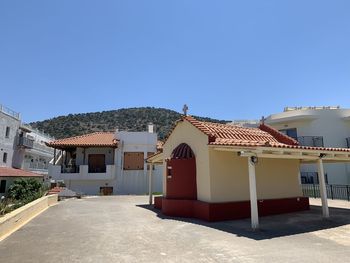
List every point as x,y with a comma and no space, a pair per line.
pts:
317,127
21,146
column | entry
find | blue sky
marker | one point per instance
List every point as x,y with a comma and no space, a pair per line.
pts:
225,59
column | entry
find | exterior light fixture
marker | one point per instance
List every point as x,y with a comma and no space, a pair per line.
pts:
254,159
322,155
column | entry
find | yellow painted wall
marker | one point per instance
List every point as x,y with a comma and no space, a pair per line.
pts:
228,177
198,141
276,178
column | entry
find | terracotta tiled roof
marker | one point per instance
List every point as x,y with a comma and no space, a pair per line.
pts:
219,133
99,139
12,172
264,135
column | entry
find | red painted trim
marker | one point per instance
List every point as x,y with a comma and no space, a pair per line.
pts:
229,210
158,202
181,183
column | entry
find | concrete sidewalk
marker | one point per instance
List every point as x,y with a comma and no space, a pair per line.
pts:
125,229
331,203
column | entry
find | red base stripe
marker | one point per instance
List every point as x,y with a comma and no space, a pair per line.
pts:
229,210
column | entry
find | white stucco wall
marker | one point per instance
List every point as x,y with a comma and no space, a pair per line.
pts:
332,124
8,145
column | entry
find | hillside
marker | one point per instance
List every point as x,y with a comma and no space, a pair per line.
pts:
131,119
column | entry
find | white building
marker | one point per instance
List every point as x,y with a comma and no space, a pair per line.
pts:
106,162
23,153
22,146
317,127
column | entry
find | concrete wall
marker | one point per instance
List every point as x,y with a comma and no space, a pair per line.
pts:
89,187
332,124
136,182
187,133
275,178
8,145
19,217
128,182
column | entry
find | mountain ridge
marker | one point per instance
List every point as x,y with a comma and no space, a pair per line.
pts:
128,119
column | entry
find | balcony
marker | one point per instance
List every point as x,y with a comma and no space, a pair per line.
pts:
313,141
25,142
80,172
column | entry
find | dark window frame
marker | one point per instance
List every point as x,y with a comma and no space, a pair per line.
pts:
4,157
2,186
7,132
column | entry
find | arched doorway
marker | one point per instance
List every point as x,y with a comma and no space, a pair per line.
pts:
181,174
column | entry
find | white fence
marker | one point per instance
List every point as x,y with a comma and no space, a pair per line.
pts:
136,182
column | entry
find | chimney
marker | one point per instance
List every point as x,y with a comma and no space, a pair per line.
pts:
117,134
150,128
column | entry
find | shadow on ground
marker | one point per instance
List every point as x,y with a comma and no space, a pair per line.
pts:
272,226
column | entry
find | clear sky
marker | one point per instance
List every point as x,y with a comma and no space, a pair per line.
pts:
225,59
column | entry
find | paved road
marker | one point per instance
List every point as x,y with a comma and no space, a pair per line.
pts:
122,229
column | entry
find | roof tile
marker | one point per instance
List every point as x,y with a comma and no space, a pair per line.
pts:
101,139
13,172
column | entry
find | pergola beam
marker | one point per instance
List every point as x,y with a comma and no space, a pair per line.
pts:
297,154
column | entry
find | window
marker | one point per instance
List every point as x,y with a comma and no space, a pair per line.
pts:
2,186
7,133
134,161
290,132
4,158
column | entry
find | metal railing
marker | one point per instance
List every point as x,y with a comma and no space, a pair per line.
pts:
25,142
313,141
43,148
9,112
70,169
341,192
97,169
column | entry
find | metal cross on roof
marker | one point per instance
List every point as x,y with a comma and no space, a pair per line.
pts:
185,109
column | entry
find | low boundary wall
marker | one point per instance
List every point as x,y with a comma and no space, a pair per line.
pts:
14,220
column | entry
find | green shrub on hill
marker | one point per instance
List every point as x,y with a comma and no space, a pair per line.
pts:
131,119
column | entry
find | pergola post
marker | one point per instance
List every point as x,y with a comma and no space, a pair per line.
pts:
150,183
252,192
323,191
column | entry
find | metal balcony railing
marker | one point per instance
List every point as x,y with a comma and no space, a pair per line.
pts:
25,142
313,141
341,192
9,112
70,169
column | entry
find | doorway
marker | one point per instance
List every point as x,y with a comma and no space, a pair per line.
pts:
106,190
97,163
